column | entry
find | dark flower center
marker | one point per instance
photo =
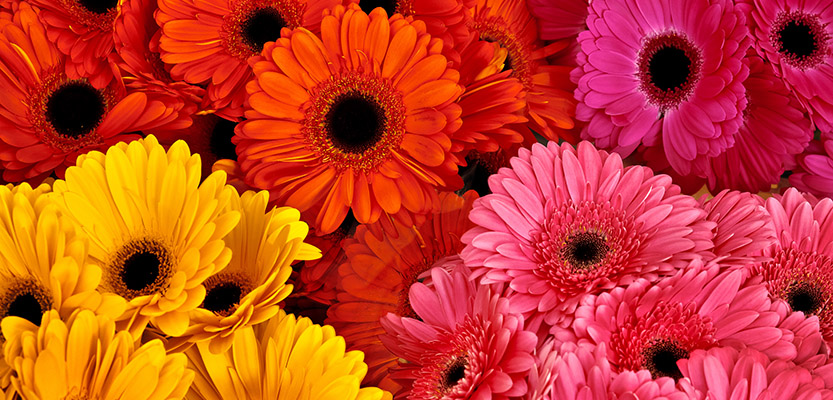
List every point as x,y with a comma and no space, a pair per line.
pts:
801,38
805,297
220,141
139,268
98,6
390,6
454,373
797,39
26,299
263,25
75,109
584,250
669,66
355,122
223,293
661,358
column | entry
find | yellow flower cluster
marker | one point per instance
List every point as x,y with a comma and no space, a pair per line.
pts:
109,277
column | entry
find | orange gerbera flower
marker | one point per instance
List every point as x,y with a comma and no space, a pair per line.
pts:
380,271
360,119
209,41
83,31
551,106
137,55
48,118
445,19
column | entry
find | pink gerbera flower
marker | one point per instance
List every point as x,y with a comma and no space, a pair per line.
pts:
648,67
743,227
724,373
564,223
651,327
774,130
814,173
797,38
559,19
801,268
468,344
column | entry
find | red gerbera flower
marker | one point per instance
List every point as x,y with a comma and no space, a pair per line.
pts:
211,41
48,118
359,120
381,269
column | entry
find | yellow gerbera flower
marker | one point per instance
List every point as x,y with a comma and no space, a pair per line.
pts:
86,358
248,290
155,230
285,358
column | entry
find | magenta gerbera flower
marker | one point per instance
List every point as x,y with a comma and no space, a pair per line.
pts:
672,67
801,268
796,37
814,173
468,343
559,19
774,130
564,223
651,327
728,373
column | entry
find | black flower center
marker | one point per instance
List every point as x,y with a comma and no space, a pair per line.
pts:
355,122
75,109
805,297
223,293
669,66
220,141
390,6
454,373
139,268
263,25
98,6
797,39
26,299
584,250
661,358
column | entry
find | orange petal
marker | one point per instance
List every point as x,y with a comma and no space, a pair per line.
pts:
432,94
427,122
401,48
386,194
423,149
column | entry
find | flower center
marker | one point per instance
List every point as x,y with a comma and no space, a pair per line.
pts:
800,38
27,299
263,25
518,54
355,122
98,6
803,279
669,67
223,293
75,108
661,358
219,141
141,267
805,297
454,372
584,250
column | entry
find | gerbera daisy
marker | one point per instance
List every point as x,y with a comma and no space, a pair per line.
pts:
380,270
363,126
814,173
796,37
723,373
550,105
564,223
246,292
86,358
83,31
801,268
210,42
452,350
284,358
49,118
774,130
560,19
156,231
651,327
743,227
137,55
648,68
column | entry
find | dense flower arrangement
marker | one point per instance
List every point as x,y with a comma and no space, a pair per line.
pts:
416,199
